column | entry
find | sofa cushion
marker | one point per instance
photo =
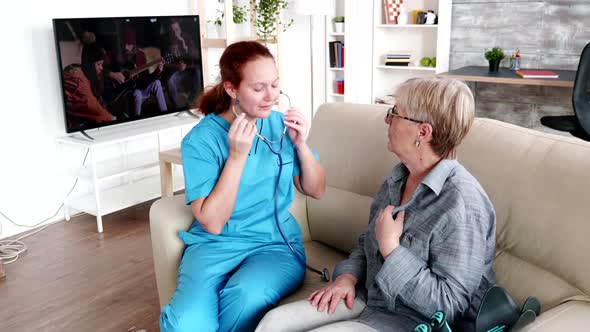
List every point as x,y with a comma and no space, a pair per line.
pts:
570,316
339,217
319,256
351,140
539,184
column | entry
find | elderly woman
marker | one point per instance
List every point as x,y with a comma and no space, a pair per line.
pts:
430,243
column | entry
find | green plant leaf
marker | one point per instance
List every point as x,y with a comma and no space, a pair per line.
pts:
267,18
495,54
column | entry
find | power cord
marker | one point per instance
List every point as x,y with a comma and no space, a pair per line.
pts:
10,250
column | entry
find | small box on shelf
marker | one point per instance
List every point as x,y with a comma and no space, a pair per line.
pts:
339,24
339,86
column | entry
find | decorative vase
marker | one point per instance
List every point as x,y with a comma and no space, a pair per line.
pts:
494,65
242,30
220,31
402,18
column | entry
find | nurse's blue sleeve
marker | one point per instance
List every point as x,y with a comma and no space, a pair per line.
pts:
201,169
296,166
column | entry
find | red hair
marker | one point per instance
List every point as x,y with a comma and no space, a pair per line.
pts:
231,65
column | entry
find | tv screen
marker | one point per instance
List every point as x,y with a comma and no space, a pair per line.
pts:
121,69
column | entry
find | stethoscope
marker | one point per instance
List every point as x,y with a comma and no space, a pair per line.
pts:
325,273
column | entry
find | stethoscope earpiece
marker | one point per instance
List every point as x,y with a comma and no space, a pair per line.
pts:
286,95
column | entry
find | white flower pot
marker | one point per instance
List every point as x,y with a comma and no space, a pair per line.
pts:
339,27
402,18
242,30
220,31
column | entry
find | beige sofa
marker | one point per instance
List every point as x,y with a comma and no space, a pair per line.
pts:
539,184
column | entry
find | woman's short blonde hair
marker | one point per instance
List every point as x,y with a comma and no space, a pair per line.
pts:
447,104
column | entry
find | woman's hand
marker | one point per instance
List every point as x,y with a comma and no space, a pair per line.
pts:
388,230
298,127
341,288
241,135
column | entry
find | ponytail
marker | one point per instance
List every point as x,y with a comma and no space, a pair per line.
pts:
213,100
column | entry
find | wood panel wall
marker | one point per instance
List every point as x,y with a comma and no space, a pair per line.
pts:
549,34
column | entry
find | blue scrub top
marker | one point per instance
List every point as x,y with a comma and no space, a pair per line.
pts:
204,152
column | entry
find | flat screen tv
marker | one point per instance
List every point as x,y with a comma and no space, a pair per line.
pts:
119,69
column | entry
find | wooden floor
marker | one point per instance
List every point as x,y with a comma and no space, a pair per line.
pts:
74,279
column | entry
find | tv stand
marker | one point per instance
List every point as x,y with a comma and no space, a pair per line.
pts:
123,165
86,135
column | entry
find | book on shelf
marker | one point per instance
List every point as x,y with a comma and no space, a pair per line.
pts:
536,74
397,62
397,58
336,50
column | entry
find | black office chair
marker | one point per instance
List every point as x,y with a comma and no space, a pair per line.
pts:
579,124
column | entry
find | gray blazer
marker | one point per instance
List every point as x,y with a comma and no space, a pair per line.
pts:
447,248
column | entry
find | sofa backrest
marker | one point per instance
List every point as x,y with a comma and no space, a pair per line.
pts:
351,140
537,182
540,186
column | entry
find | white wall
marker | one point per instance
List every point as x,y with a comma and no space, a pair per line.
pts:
31,115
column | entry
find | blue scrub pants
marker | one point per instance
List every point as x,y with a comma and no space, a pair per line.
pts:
229,286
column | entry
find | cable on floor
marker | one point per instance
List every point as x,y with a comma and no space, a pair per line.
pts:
10,250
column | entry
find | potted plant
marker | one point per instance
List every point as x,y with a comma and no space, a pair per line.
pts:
494,56
239,14
239,17
339,24
266,18
218,23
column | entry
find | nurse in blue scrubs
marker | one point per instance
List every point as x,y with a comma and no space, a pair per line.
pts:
236,266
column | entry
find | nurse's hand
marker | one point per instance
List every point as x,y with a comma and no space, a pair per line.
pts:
298,126
341,289
241,135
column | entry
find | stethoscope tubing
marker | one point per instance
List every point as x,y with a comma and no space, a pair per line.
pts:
325,274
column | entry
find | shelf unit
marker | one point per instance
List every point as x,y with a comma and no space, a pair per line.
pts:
334,73
125,178
420,40
357,71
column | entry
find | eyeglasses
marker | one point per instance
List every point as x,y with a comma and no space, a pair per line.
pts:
392,113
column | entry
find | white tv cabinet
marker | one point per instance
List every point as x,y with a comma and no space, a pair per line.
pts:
126,178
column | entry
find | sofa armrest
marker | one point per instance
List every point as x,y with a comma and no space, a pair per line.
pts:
168,216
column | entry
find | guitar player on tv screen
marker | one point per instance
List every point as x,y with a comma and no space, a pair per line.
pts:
181,74
129,73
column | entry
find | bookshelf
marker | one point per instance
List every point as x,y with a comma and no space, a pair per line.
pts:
335,73
358,19
419,40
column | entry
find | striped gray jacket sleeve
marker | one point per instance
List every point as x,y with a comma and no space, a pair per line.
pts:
356,263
